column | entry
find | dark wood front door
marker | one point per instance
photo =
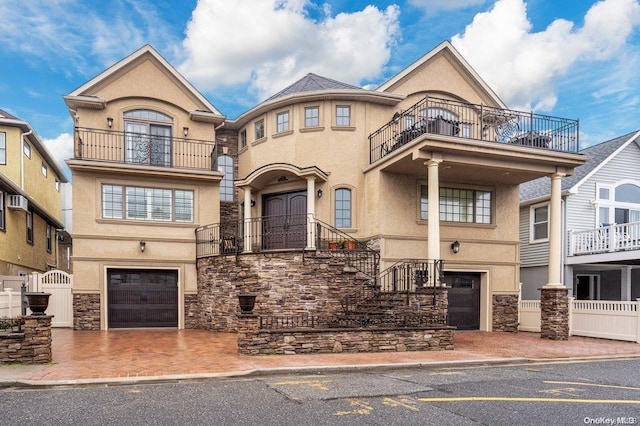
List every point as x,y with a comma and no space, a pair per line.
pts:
139,298
285,221
464,300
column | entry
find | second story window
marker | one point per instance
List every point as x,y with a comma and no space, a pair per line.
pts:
259,128
3,148
150,204
148,137
27,149
243,138
49,239
618,203
540,223
29,227
2,214
44,169
343,115
225,163
459,205
312,117
282,122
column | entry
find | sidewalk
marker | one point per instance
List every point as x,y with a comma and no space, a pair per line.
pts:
132,356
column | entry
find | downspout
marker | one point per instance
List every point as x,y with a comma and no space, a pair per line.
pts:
22,158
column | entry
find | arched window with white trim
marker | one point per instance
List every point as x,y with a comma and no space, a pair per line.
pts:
225,164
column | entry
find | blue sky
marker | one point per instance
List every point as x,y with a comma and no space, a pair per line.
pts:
574,59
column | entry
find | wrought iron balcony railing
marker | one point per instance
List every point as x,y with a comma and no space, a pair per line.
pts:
144,149
478,122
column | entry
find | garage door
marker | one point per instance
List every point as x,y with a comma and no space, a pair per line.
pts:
464,300
139,298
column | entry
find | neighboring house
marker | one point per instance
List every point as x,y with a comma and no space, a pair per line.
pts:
145,175
600,223
30,201
426,167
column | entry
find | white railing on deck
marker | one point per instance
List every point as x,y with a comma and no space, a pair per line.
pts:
610,238
590,318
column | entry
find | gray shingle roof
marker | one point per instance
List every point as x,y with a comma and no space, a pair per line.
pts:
597,153
312,82
5,114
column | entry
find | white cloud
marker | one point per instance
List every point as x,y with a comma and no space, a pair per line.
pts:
438,5
523,66
270,43
61,149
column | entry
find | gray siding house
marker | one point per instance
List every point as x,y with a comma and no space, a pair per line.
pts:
600,225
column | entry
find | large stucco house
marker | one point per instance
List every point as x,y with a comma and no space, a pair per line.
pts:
425,168
30,200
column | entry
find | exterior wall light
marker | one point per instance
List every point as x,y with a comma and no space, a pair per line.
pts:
319,193
253,203
143,245
455,247
185,130
109,122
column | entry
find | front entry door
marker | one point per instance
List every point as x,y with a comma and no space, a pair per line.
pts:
285,222
464,300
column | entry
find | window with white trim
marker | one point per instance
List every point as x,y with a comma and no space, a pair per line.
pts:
3,148
44,169
259,129
148,204
30,227
460,205
343,115
225,163
148,137
539,216
618,203
243,138
343,205
312,116
26,148
2,212
282,122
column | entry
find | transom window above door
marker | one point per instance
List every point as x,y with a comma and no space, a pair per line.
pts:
148,137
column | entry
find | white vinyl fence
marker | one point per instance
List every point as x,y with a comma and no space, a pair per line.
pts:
590,318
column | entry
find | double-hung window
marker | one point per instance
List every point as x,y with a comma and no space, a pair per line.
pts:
282,122
243,138
148,138
259,129
3,148
539,223
147,204
2,214
343,115
460,205
26,148
312,116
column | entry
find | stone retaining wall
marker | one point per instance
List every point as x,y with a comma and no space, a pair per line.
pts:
253,341
505,312
31,345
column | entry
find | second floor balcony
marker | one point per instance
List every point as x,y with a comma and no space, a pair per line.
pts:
144,149
435,116
611,239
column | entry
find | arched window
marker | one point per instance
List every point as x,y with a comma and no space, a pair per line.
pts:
343,206
225,164
618,204
148,137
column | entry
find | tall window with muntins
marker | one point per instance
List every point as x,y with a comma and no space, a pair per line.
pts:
147,204
312,117
259,129
282,122
148,138
225,162
343,115
343,206
243,138
49,239
539,223
29,227
460,205
3,148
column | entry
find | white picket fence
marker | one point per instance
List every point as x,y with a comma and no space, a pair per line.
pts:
590,318
58,283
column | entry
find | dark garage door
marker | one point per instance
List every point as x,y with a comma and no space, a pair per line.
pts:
464,300
139,298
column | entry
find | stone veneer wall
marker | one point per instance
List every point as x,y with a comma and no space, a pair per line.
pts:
253,341
554,315
31,345
190,311
86,311
505,312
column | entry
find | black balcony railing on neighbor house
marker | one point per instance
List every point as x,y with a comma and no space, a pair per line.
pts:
145,149
478,122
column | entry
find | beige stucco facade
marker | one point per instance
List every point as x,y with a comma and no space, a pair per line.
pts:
28,171
105,240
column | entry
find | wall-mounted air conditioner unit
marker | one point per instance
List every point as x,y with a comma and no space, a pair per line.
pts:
18,202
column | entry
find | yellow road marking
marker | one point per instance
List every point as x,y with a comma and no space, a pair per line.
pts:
318,384
523,399
446,373
562,391
402,402
364,409
591,384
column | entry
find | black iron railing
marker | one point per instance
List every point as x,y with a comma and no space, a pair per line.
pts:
144,149
411,320
410,275
479,122
10,325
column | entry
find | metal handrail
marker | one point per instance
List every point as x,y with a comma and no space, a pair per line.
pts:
410,275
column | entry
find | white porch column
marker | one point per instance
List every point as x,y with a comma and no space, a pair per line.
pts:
311,213
433,194
247,219
555,232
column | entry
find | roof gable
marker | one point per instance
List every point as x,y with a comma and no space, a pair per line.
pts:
313,83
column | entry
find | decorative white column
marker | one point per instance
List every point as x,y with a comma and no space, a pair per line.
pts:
433,217
555,232
311,213
247,219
